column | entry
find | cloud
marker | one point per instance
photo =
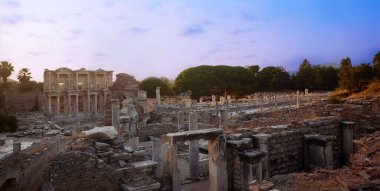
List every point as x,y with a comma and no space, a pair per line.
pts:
135,31
108,4
12,19
139,30
248,17
76,32
101,55
36,53
11,4
193,30
37,36
239,31
249,56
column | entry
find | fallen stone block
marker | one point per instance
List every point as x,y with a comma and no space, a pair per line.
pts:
102,146
102,133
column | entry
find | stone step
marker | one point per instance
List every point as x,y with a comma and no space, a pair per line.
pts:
144,164
153,186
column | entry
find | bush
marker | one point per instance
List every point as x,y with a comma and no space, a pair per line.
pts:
334,100
8,123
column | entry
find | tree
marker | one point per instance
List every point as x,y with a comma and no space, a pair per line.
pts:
305,75
346,74
362,76
150,84
273,78
254,69
6,70
376,64
218,80
24,76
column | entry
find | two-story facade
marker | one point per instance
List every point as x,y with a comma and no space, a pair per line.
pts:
72,94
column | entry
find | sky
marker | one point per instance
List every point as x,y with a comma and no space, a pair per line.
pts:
163,37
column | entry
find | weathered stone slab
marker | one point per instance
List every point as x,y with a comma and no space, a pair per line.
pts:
144,164
205,134
102,133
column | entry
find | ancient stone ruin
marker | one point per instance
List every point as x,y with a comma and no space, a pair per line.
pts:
93,137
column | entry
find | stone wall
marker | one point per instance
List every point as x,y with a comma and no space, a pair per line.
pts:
285,146
30,168
156,130
23,102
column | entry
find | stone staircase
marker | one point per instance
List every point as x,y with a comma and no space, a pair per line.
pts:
140,181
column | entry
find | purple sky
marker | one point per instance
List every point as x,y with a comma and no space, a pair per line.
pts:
161,38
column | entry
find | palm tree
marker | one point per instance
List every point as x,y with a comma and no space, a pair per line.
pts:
6,70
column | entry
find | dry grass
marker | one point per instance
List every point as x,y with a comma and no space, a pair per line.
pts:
340,93
373,90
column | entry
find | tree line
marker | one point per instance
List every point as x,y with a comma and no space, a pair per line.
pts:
206,80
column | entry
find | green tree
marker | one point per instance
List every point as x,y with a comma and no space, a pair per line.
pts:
273,78
305,75
150,84
254,69
218,80
376,65
362,76
346,74
6,70
24,76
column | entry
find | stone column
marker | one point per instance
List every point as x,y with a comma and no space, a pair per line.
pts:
77,105
133,134
96,103
88,103
306,92
298,101
115,105
157,155
193,148
16,147
158,95
58,105
49,104
218,164
348,136
169,165
262,142
223,123
318,152
69,96
181,121
213,100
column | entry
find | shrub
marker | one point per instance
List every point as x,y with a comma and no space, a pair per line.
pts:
334,100
8,123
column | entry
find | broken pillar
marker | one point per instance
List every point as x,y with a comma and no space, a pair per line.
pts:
306,92
169,165
115,105
298,99
181,121
16,147
157,155
158,95
318,152
217,164
213,100
251,166
261,141
133,134
188,102
348,136
193,148
223,120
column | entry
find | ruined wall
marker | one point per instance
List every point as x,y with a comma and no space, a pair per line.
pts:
30,168
156,130
285,146
16,102
77,171
280,117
